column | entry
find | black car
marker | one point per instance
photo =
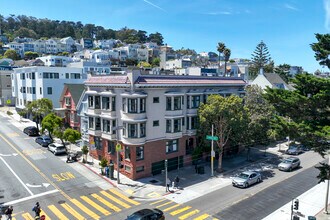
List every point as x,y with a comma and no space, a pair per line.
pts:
31,131
154,214
44,140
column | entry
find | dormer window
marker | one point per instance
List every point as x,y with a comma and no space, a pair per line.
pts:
68,101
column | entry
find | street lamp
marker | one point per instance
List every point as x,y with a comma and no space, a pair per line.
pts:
118,148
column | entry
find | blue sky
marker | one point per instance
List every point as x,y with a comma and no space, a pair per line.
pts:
288,27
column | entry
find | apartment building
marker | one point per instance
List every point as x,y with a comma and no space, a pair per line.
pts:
36,82
153,118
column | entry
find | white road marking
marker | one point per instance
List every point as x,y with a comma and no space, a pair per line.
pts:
19,179
30,197
38,186
8,155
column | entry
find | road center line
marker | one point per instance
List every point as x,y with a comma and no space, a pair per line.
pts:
19,179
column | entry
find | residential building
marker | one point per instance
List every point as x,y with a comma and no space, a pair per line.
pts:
6,97
294,70
81,109
51,46
86,43
68,104
36,82
40,46
68,42
18,47
105,44
178,64
271,80
59,61
166,53
92,67
152,117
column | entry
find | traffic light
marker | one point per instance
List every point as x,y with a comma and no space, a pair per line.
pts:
296,204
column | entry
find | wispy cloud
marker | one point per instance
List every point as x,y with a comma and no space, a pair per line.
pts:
327,14
218,13
291,7
156,6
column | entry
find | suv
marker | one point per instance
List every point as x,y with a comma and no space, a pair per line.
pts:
44,140
289,164
56,148
31,131
294,150
154,214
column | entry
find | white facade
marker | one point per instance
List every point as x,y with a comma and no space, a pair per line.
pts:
177,64
51,46
55,60
40,46
92,67
18,47
32,83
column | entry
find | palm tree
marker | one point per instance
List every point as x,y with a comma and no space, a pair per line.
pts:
221,48
226,54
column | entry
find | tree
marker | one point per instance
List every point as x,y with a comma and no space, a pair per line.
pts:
221,48
51,123
71,135
103,163
84,151
260,56
38,109
226,54
30,55
12,54
322,49
226,114
156,38
25,32
144,64
284,71
155,61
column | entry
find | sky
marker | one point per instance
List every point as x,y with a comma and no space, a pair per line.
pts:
288,27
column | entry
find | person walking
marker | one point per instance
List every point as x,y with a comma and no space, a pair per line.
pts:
37,210
9,212
177,180
168,183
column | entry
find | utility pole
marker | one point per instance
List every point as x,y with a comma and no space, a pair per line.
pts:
166,175
212,154
327,194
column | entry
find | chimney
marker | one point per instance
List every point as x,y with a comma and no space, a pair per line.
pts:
261,71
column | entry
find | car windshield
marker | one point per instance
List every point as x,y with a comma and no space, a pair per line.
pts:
134,216
60,148
243,176
47,139
287,161
293,147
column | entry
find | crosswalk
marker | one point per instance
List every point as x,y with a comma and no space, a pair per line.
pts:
180,211
103,203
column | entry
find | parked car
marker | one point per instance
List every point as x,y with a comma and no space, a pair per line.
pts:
154,214
246,179
56,148
44,140
294,150
289,164
31,131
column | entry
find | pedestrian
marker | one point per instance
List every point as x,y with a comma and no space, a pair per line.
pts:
168,183
37,210
9,212
177,180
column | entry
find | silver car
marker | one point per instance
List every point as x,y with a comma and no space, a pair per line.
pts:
289,164
294,150
246,179
56,148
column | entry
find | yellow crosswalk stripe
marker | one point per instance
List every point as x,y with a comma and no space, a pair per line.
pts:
73,212
105,202
172,207
114,191
43,213
96,206
166,203
115,199
85,209
202,217
57,212
180,210
13,218
27,216
189,214
159,201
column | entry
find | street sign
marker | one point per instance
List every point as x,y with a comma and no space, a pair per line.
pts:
212,138
213,153
118,147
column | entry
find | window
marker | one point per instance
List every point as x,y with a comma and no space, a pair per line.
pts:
188,101
194,122
172,146
142,105
67,75
127,153
33,90
67,101
113,103
155,123
97,102
168,126
168,103
156,100
40,90
49,90
97,124
140,153
91,123
140,169
177,125
105,103
111,147
98,143
142,130
195,101
113,126
106,125
132,131
91,101
132,105
177,103
75,75
33,75
22,76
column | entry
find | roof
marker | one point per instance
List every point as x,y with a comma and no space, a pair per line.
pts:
108,80
275,79
76,90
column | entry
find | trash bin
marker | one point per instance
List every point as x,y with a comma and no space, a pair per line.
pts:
200,170
111,170
107,171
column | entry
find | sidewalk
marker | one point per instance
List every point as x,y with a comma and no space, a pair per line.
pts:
193,185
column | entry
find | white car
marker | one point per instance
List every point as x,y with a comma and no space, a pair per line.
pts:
246,179
56,148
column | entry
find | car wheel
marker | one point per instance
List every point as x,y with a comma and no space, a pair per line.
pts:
290,169
246,185
258,180
298,165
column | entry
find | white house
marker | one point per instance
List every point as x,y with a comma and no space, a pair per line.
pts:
271,80
36,82
52,60
40,46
